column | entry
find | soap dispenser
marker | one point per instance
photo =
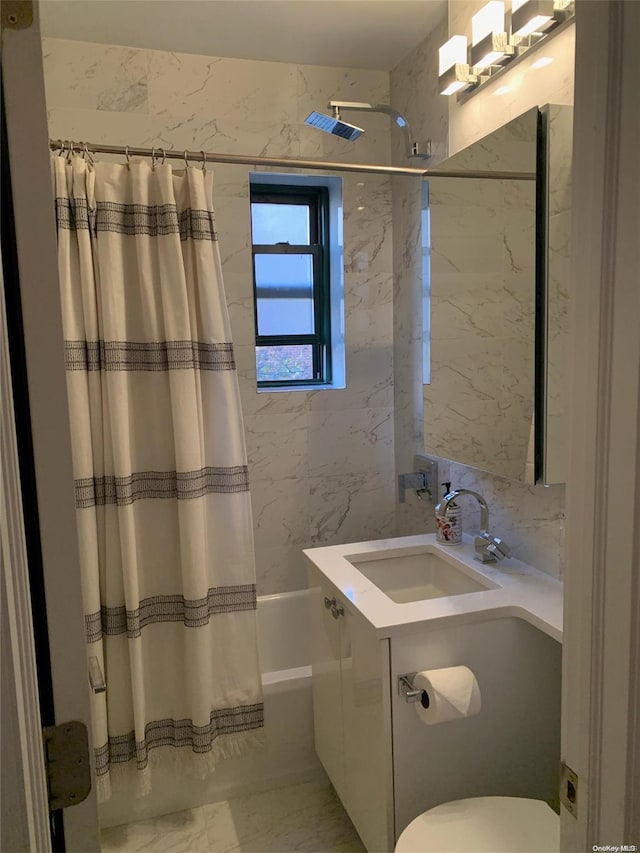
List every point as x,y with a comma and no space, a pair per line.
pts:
449,525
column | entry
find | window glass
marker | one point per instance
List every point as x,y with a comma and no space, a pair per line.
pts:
284,294
290,363
280,223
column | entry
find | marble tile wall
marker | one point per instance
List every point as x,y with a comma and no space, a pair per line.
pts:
530,517
479,400
414,92
321,462
559,236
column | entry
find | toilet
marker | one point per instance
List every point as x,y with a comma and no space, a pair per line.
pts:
484,825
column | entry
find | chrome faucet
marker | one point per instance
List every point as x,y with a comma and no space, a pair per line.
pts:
488,548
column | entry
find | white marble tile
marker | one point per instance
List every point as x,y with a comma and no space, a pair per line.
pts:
362,441
277,446
280,512
367,227
95,76
369,383
280,569
187,84
241,316
351,508
305,817
182,832
317,85
270,402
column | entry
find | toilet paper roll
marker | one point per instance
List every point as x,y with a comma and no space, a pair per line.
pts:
448,694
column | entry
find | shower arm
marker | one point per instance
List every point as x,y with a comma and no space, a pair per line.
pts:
413,148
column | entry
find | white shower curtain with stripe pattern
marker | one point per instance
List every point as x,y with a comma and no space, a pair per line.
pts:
161,486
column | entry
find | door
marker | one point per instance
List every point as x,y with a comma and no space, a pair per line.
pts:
35,281
601,664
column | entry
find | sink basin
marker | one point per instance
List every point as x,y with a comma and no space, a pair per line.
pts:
417,574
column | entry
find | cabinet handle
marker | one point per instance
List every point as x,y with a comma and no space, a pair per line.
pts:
337,611
329,602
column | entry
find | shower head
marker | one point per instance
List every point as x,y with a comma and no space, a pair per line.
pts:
334,125
341,128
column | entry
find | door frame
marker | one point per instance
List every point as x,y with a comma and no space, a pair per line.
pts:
35,236
601,683
601,663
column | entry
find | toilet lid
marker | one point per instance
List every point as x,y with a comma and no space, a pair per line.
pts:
484,825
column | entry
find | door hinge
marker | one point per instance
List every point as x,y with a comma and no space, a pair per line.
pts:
16,14
66,755
569,789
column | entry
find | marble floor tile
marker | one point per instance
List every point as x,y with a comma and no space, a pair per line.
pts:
181,832
307,817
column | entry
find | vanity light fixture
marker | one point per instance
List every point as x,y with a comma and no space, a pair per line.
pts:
453,70
535,17
498,39
489,38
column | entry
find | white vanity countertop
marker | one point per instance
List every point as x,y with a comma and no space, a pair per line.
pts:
522,591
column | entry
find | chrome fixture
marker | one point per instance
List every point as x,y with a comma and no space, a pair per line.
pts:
535,17
454,74
488,548
424,479
68,148
407,689
335,125
489,40
497,40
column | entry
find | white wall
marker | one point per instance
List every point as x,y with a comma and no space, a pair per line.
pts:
321,462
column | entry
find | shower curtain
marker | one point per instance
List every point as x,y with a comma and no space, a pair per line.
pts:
161,486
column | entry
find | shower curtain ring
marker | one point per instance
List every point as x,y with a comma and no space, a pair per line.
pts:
153,159
86,154
70,152
164,156
186,161
204,161
128,156
60,150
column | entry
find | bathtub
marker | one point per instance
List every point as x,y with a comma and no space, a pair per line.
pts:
288,757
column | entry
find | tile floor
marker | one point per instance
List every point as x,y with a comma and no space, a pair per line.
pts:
306,817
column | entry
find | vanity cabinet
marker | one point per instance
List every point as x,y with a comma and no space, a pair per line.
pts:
351,706
385,764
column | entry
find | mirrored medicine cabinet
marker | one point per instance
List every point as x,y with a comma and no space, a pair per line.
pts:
496,258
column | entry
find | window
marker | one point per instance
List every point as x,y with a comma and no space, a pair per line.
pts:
290,233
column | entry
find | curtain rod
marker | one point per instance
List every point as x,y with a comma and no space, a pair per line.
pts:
284,162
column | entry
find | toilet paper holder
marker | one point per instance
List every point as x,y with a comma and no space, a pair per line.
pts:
406,688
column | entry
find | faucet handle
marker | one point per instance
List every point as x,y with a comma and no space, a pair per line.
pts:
489,548
498,547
